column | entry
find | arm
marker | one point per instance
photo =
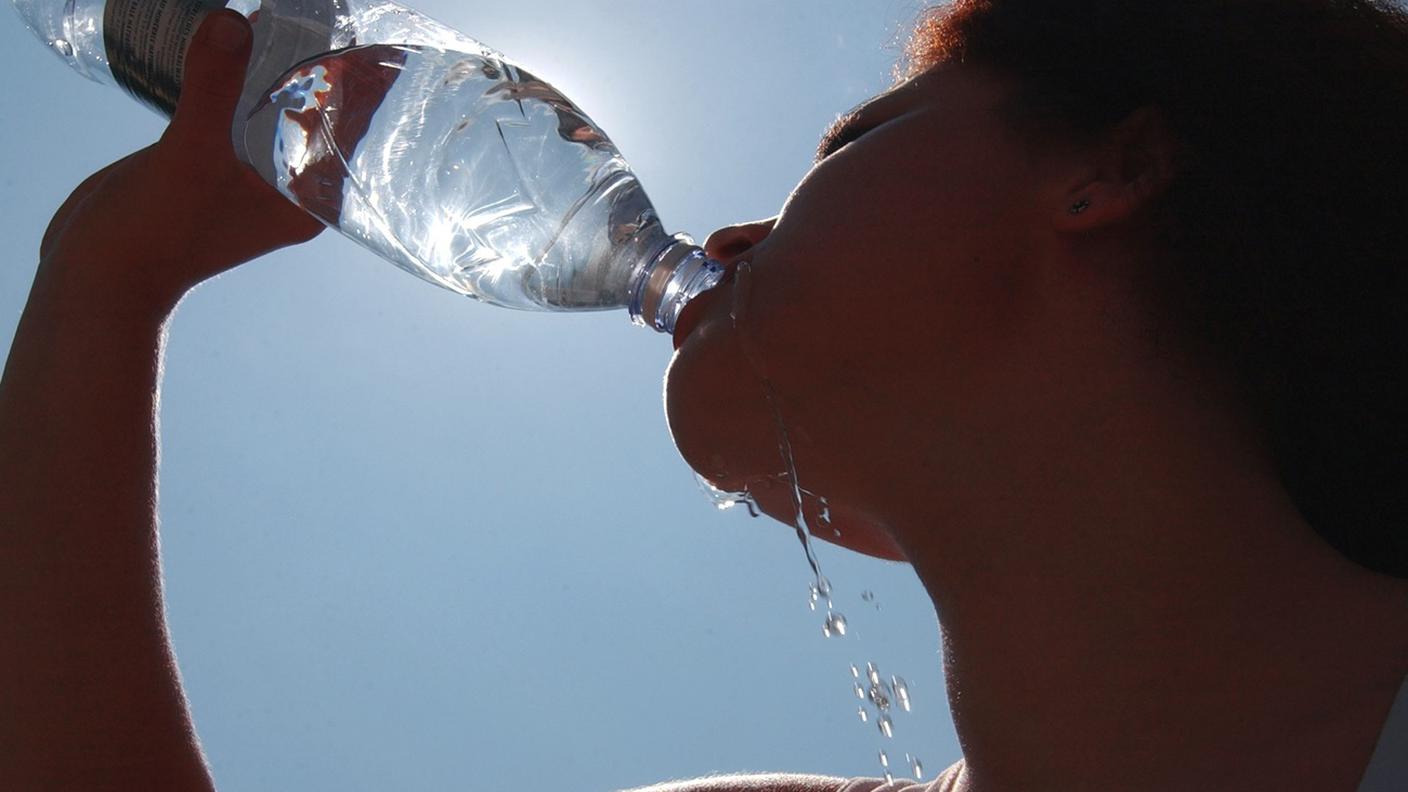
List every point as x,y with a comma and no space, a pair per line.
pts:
90,696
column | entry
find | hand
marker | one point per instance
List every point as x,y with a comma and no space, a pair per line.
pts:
185,209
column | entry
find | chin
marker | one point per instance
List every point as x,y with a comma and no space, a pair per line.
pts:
835,522
721,422
880,546
718,416
831,522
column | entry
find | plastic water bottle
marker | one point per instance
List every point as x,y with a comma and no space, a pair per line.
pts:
418,142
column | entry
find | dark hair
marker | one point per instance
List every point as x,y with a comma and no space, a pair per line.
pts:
1283,241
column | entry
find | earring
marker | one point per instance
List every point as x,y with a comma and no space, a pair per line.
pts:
1080,206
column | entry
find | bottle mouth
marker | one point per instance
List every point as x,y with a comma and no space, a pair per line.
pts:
677,274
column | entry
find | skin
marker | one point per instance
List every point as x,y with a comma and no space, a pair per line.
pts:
1128,598
966,372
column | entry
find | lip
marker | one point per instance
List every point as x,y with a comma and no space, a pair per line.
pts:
695,311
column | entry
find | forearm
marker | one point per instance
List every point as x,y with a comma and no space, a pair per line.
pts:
91,695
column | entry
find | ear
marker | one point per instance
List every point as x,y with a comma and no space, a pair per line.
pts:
1120,176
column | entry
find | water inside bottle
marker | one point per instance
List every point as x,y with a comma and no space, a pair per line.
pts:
463,169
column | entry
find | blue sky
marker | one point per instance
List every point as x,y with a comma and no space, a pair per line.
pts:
413,542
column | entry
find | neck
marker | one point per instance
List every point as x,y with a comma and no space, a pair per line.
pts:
1145,609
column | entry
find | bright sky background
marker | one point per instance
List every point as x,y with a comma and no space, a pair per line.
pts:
416,543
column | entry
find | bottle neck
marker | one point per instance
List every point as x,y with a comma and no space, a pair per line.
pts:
669,280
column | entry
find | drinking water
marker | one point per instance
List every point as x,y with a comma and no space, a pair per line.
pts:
418,142
463,169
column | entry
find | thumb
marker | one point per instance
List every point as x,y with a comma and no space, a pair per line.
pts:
213,77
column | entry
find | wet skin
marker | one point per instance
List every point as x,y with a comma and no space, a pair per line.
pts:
977,381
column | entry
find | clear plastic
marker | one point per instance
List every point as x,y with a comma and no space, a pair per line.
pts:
434,151
73,31
465,170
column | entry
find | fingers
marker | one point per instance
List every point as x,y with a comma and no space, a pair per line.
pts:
213,78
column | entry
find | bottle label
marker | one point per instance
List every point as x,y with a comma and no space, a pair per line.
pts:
146,45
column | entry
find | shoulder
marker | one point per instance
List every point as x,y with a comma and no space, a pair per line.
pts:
783,782
770,782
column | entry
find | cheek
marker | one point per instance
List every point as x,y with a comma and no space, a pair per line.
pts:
886,248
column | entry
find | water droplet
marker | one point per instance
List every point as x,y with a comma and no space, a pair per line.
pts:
835,625
723,501
901,689
742,281
872,673
884,759
887,726
889,779
879,696
62,47
855,672
916,768
816,591
860,692
864,716
868,595
825,512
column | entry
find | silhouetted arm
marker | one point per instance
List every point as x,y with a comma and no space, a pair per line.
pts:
90,696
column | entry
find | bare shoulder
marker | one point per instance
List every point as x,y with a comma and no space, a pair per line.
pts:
947,781
771,782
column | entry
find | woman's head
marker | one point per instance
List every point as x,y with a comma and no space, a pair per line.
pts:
1248,161
1283,242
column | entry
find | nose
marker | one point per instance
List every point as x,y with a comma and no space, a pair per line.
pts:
730,242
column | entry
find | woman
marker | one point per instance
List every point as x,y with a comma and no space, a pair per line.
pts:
1091,319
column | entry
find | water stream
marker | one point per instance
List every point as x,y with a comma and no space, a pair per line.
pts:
881,697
